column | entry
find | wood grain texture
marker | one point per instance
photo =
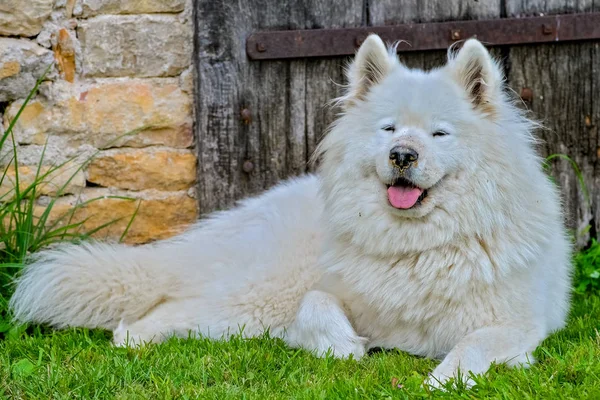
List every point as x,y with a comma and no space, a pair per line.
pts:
522,8
286,100
391,12
565,82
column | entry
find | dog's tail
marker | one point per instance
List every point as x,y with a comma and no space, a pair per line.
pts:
92,285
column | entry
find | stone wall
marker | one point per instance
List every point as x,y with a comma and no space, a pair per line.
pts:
121,90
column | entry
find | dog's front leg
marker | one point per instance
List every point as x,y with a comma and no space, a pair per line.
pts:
510,343
322,325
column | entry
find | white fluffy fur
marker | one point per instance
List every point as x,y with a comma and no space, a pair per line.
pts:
477,273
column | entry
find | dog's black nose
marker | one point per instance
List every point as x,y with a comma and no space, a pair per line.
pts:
402,157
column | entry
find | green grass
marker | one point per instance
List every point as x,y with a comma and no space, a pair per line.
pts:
83,364
78,363
38,363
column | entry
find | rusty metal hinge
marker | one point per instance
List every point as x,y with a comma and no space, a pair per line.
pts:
429,36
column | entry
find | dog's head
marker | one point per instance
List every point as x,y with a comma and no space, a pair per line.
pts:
414,146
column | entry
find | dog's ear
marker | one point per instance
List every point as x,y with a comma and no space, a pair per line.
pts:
372,63
475,70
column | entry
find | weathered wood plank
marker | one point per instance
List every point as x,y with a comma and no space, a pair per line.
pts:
324,80
564,80
390,12
287,101
522,8
284,100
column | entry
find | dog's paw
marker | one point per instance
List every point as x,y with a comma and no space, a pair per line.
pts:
440,377
124,337
121,336
322,344
322,327
354,347
340,348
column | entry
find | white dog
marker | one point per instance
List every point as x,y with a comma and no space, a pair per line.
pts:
430,228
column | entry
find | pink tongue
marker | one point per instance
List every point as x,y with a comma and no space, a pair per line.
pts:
403,197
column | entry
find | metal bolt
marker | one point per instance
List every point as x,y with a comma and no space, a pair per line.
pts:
248,166
246,116
455,34
527,94
260,47
547,29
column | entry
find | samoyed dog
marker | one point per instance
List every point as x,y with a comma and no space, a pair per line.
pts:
430,227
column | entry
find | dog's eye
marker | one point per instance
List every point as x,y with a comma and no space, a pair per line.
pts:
440,133
389,128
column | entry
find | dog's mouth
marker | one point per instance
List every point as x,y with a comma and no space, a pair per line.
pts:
404,194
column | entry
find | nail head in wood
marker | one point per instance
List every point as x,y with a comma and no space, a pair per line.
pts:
547,29
248,166
246,116
527,95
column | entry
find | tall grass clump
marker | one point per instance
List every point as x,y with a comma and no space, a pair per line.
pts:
25,225
587,269
587,261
